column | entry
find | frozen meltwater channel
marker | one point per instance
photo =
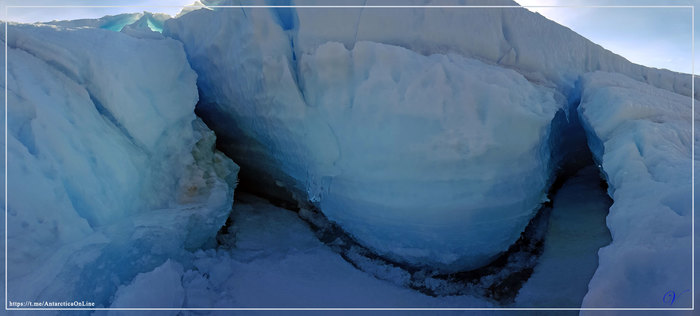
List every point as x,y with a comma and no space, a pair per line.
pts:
575,233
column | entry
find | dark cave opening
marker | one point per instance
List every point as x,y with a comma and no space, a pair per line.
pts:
569,145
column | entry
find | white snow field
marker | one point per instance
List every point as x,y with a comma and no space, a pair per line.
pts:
110,173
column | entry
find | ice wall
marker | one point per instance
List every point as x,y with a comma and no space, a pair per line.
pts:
641,138
110,173
296,63
436,160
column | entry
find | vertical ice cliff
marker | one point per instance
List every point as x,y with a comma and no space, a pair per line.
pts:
392,121
641,138
436,160
110,173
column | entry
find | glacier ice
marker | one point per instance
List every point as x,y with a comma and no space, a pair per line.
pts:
408,153
153,21
140,25
430,146
110,173
542,50
148,26
297,100
641,138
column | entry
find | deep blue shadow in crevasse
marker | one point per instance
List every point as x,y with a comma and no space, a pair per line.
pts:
286,17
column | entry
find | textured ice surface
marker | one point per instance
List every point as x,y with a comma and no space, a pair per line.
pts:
117,22
406,127
542,50
410,154
641,136
387,121
109,171
148,26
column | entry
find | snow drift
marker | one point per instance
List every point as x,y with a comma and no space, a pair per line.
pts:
109,171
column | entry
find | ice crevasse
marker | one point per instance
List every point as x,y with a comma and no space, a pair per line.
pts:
436,160
431,147
110,173
641,137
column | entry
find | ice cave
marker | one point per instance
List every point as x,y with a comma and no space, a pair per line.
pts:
291,157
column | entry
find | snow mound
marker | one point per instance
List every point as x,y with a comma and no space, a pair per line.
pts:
110,173
408,153
156,289
276,260
641,137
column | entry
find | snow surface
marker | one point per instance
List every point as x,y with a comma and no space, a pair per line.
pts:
641,137
408,153
158,288
110,173
274,260
516,38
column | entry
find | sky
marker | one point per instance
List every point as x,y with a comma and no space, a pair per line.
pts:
655,37
30,15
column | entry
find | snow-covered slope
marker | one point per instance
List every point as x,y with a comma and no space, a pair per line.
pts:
641,137
109,171
540,49
272,258
408,153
